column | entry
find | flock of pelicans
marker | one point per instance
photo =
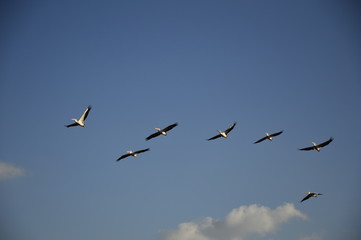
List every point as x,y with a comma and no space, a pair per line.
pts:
221,134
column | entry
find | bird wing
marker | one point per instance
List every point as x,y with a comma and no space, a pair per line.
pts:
325,143
85,114
230,128
307,197
215,137
72,125
307,148
152,136
123,156
276,134
169,127
262,139
143,150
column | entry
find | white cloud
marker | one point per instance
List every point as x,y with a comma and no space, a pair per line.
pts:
238,224
314,236
8,171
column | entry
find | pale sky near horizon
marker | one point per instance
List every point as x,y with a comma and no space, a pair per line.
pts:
267,65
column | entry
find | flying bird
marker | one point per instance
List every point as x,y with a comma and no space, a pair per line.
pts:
309,194
223,134
317,147
269,136
81,120
133,154
161,131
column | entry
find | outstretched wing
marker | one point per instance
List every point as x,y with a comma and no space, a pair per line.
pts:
123,156
325,143
152,136
230,128
169,127
276,134
307,148
307,197
262,139
85,114
72,125
215,137
141,151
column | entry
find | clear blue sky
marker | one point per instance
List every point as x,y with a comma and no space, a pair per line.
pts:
267,65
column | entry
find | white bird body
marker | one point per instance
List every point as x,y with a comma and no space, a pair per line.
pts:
133,154
316,146
164,133
81,121
224,133
161,131
269,136
311,194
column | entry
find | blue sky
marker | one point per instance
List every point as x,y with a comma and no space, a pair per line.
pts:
267,65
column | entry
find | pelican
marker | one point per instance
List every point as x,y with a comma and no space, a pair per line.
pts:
269,136
223,134
133,154
81,120
161,131
317,147
310,194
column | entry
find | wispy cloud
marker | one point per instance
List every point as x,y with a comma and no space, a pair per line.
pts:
8,171
239,223
314,236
